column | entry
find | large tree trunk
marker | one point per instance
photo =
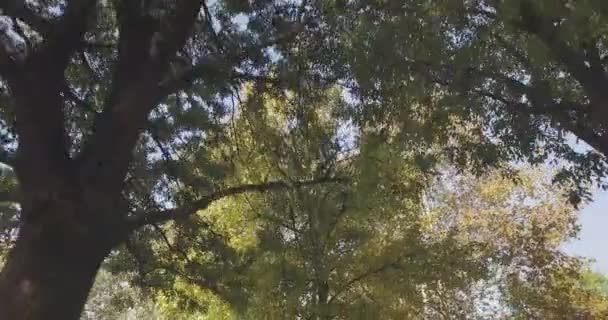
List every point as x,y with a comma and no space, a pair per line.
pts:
53,265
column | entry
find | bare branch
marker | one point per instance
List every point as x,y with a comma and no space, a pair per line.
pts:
162,216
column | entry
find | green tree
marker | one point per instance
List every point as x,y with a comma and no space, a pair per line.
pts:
111,107
112,111
114,297
519,227
525,78
596,281
309,251
392,243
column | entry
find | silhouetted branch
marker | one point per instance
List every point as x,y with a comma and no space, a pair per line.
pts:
162,216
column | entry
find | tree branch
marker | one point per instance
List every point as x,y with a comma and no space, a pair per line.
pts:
567,115
146,48
66,36
587,71
7,157
36,89
177,32
163,216
210,67
9,196
361,277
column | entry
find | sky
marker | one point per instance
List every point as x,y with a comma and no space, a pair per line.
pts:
593,238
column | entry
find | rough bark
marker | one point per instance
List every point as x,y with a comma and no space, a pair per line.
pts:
72,208
51,269
72,205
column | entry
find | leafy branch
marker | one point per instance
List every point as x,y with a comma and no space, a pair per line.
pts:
162,216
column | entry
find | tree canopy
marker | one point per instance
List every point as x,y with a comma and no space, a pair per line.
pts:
392,243
208,144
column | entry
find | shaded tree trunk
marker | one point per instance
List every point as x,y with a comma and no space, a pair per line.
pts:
72,207
69,220
49,272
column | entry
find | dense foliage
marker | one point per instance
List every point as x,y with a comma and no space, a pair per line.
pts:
320,158
392,243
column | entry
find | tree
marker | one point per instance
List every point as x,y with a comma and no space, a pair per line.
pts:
595,281
524,76
520,226
110,106
392,243
110,109
114,297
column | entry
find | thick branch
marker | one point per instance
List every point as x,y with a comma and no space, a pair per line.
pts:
66,36
145,46
176,33
589,72
567,115
136,30
7,157
5,58
208,67
145,51
6,62
204,202
9,196
36,90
